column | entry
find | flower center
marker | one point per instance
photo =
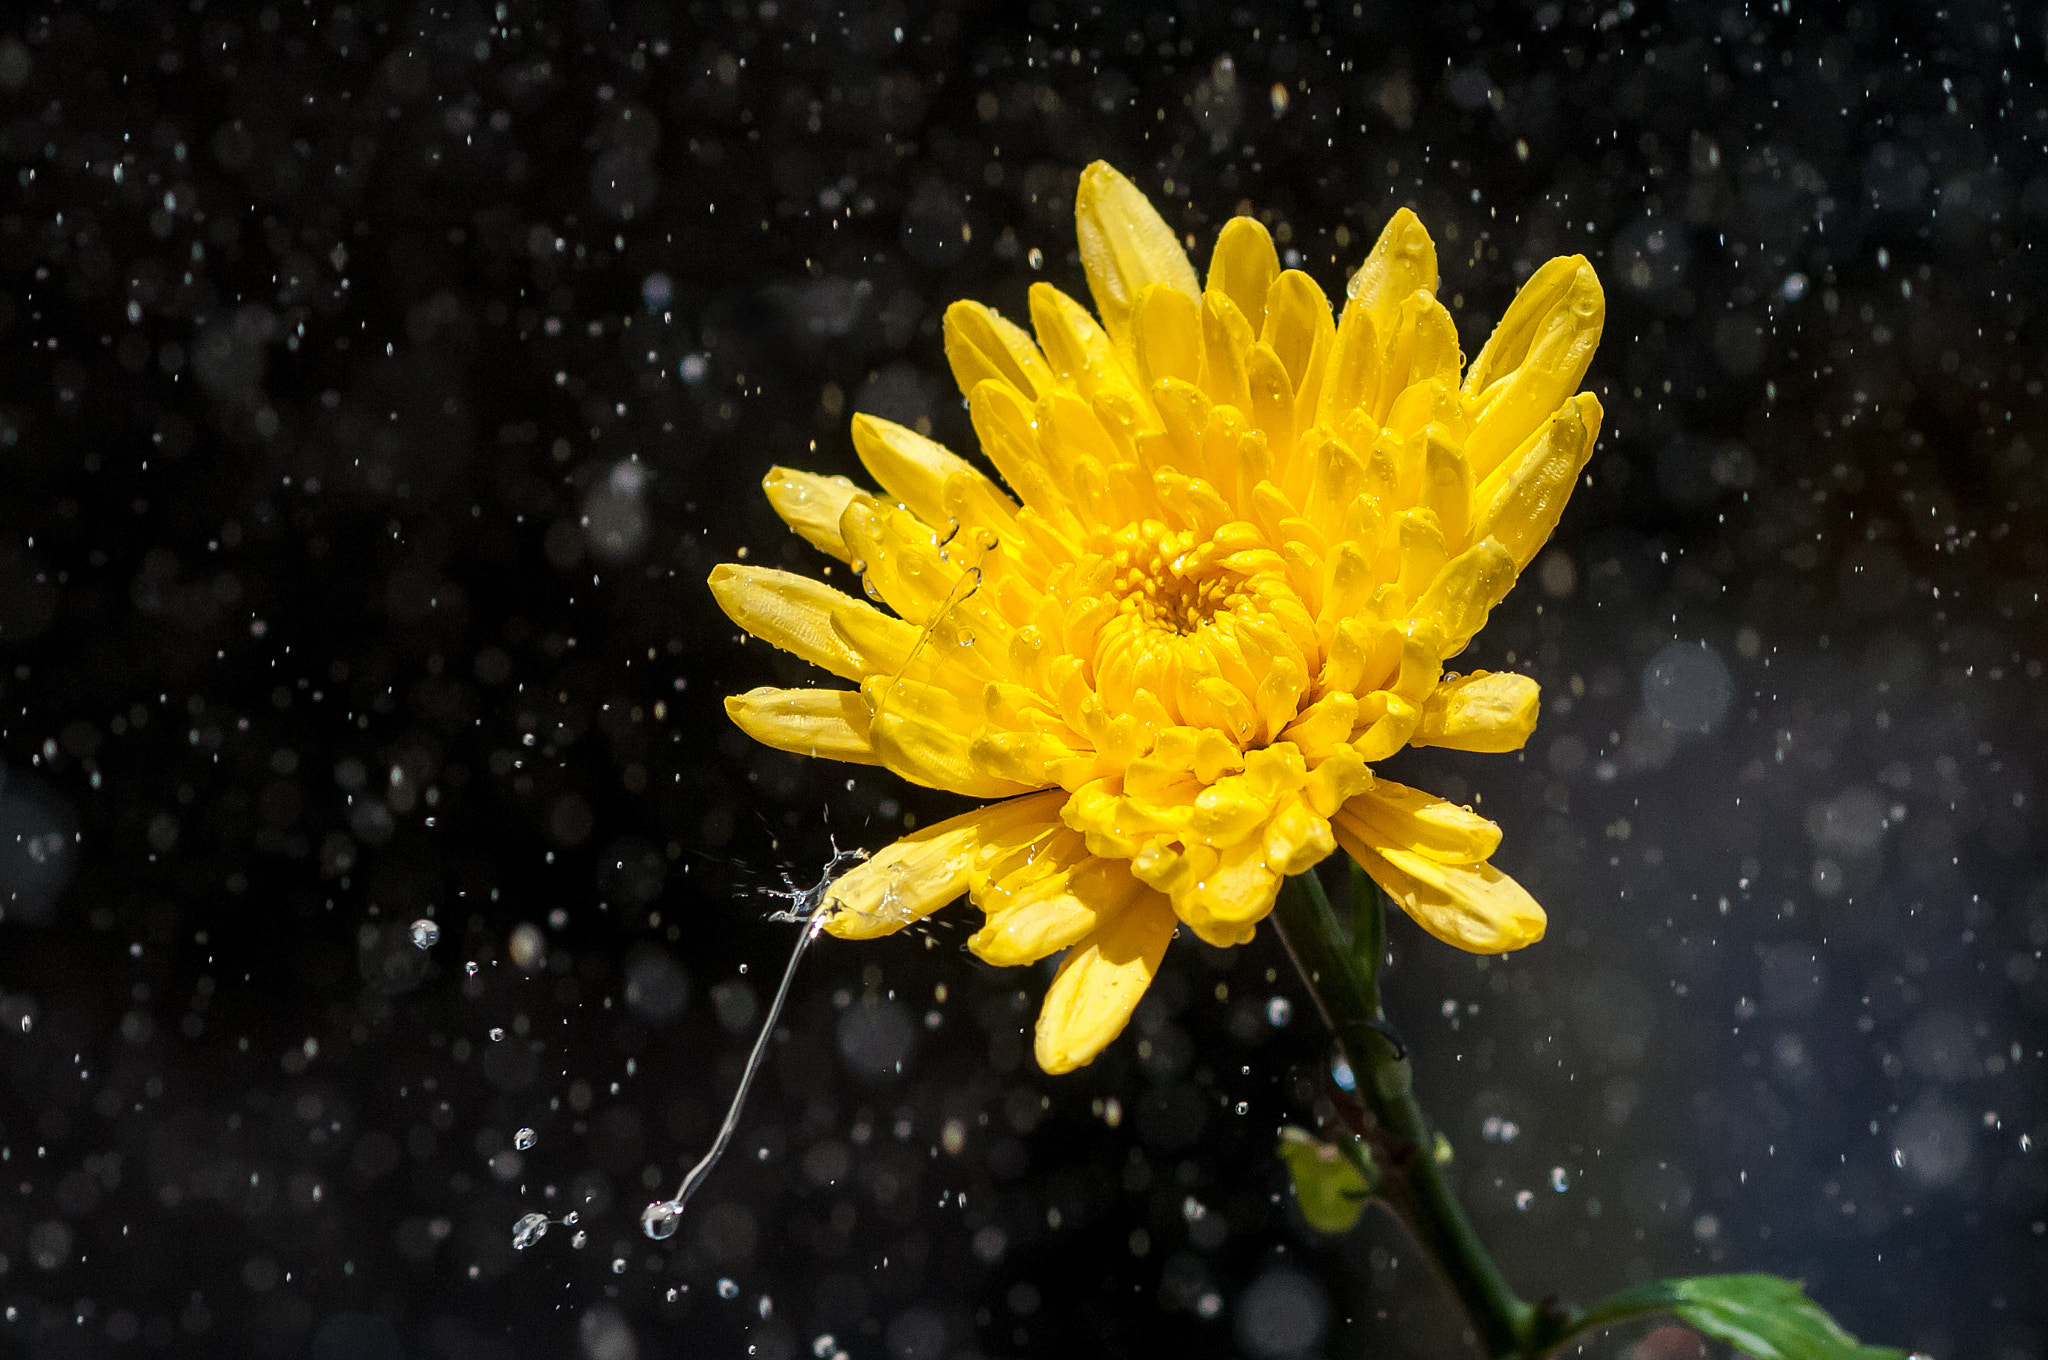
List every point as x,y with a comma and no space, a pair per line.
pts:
1168,581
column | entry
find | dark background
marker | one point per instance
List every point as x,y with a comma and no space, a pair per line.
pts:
382,381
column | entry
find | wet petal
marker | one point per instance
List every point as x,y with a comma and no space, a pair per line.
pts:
1390,814
794,613
1100,983
981,344
1125,246
1475,907
930,867
811,505
1244,266
1483,711
829,723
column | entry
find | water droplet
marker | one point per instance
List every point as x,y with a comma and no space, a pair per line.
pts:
1524,1198
471,967
579,1239
658,1220
1035,258
674,1294
825,1344
425,933
27,1023
523,1139
1341,1073
528,1230
1558,1180
766,1307
618,1265
859,565
727,1289
1279,1011
569,1219
497,1033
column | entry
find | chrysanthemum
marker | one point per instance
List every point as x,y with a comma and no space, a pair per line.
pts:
1240,540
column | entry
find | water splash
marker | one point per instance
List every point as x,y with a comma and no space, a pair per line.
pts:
808,906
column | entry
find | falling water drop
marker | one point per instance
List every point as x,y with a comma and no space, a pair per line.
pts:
1279,1011
471,967
425,933
529,1230
618,1265
523,1139
727,1289
658,1220
1558,1180
1524,1198
497,1033
579,1239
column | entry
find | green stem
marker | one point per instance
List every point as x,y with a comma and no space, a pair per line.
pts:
1343,979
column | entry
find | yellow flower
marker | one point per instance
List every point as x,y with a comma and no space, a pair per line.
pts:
1246,538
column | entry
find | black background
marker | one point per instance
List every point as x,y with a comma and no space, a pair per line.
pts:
382,382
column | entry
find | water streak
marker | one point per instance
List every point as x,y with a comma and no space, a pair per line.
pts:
659,1219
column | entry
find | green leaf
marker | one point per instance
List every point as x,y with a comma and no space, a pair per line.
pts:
1763,1316
1330,1183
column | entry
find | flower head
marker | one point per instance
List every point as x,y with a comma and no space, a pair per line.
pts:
1246,536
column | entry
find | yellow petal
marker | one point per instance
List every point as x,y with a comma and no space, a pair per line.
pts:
1244,266
1473,906
900,558
1401,261
1273,408
792,612
1166,335
1351,374
1078,349
1465,592
1560,349
1125,246
1394,815
925,870
981,344
1509,343
934,753
811,505
1485,711
911,468
1447,486
1227,340
829,723
1100,983
1297,319
1520,501
1055,912
1005,426
1224,894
